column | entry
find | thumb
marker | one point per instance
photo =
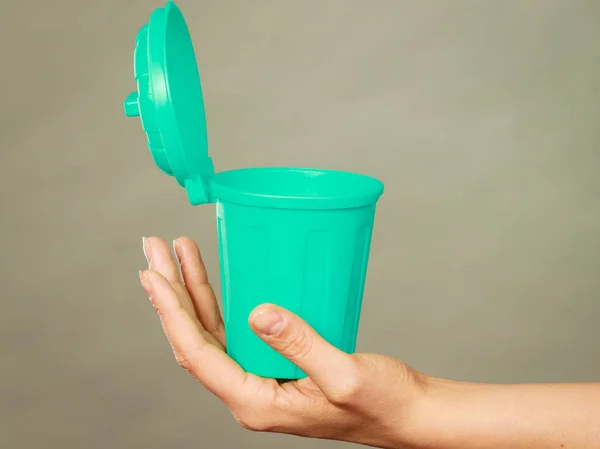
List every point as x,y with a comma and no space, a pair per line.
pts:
293,338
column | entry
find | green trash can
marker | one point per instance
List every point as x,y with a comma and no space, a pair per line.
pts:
296,237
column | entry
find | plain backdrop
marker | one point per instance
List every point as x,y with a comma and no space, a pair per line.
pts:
481,117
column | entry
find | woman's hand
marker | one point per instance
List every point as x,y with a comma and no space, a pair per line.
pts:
363,398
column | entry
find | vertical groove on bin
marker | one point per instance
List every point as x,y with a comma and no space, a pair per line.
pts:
224,260
354,300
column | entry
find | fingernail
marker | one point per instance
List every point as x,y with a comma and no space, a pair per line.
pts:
175,245
147,251
268,322
146,282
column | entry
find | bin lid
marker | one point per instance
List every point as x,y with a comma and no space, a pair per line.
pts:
169,101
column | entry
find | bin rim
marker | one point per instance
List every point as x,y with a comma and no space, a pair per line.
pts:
296,188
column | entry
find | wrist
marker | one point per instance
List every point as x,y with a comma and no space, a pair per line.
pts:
431,414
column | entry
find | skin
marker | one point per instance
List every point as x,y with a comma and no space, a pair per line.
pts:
368,399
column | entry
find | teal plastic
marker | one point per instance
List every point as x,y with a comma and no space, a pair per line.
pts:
296,237
169,101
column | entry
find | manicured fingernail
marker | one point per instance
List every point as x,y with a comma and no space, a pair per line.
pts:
268,322
147,251
146,282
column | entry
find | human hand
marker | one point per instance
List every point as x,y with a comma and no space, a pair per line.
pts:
363,398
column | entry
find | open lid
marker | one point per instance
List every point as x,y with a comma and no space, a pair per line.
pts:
169,101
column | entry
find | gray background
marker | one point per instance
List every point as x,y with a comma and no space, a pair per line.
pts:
480,116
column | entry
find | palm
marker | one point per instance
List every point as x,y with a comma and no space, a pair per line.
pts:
293,392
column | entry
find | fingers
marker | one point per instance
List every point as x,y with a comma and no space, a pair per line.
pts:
200,291
160,259
211,366
297,341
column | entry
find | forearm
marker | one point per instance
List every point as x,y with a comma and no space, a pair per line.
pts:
459,415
